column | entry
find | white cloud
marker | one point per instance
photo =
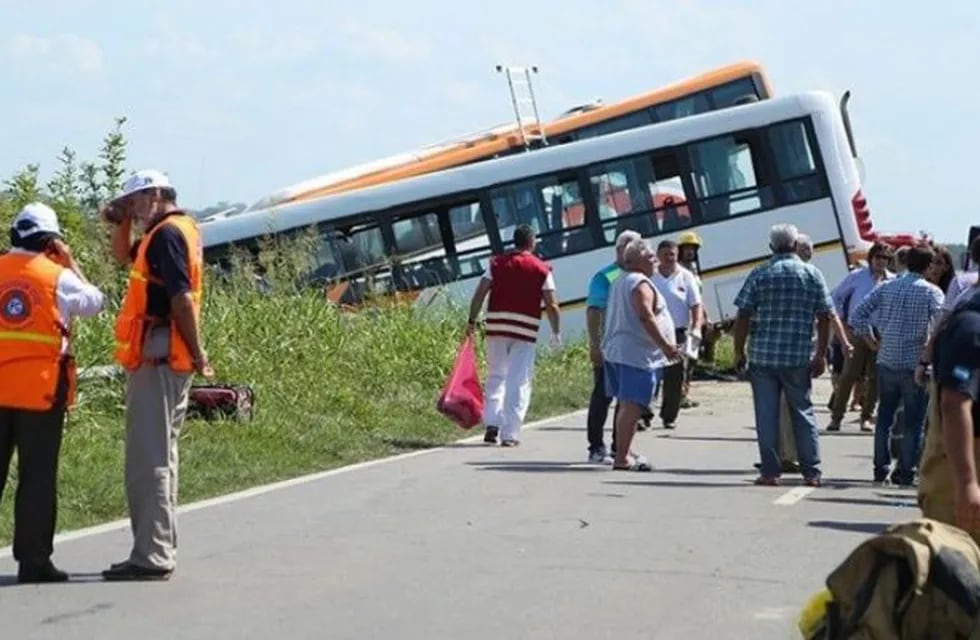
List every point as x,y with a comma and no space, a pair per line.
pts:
66,51
385,43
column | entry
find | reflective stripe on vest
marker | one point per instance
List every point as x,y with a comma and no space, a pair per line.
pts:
133,323
31,333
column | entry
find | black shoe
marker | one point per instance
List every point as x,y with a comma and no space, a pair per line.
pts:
129,571
490,437
37,573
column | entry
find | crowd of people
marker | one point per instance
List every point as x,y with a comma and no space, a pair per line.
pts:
877,329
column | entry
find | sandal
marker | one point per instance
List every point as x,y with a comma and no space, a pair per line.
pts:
638,463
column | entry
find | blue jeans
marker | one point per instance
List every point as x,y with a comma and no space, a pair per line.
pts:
894,387
795,382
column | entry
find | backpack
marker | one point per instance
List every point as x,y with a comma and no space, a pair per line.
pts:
216,401
918,580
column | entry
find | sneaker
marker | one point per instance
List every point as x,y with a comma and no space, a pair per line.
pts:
510,443
834,425
600,457
490,437
670,425
866,426
764,481
813,481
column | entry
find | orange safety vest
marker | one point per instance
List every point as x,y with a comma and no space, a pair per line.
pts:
31,334
133,322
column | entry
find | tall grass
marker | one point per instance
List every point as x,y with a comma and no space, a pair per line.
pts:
333,387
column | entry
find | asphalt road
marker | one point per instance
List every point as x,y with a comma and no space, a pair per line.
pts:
477,542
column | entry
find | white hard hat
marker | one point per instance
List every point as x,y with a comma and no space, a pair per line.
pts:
36,218
145,179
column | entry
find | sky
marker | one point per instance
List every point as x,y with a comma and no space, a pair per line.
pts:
235,99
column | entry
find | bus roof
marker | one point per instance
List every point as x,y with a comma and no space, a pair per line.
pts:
489,142
468,178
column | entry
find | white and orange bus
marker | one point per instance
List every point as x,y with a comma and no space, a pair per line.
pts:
717,89
731,175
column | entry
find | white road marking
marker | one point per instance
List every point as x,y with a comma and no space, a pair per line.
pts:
793,496
107,527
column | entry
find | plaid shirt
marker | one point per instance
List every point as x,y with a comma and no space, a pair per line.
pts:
906,309
783,297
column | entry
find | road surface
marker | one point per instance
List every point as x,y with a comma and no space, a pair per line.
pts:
480,542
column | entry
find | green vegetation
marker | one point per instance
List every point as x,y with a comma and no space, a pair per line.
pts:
332,387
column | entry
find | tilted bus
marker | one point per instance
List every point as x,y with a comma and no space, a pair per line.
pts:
716,89
734,173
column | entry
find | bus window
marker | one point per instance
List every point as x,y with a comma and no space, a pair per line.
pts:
470,238
724,177
553,207
692,105
795,165
416,233
620,191
668,195
728,95
622,123
360,246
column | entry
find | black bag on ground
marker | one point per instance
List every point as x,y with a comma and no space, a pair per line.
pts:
213,401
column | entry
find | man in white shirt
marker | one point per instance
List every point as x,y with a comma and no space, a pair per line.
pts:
682,294
41,290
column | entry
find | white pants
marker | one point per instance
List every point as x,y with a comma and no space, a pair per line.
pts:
510,368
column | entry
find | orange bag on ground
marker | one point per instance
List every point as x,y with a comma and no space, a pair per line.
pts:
462,397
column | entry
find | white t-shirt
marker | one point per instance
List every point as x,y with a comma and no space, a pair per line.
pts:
681,292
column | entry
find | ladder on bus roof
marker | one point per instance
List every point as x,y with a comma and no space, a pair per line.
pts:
522,98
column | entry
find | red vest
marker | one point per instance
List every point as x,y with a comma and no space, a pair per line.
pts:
514,310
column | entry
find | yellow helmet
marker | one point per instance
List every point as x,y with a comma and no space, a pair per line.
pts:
689,237
812,622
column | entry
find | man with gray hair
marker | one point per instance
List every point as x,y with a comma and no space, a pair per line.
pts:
637,345
776,308
596,302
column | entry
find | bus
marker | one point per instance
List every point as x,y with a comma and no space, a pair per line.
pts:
716,89
730,176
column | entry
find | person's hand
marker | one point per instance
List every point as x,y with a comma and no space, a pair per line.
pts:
203,367
920,375
672,353
61,253
113,213
817,366
595,355
468,331
872,343
848,348
967,505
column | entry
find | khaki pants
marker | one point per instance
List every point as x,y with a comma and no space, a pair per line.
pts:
860,365
156,402
787,436
936,497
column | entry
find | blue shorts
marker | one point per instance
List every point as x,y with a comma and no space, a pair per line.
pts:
629,384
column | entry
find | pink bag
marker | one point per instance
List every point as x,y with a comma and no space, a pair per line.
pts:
462,397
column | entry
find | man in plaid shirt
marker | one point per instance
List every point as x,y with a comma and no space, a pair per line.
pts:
907,309
776,309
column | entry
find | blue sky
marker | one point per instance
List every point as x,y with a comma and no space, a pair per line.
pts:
237,98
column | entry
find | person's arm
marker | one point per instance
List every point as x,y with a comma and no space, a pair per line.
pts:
122,241
841,333
476,303
549,295
593,323
644,297
955,409
169,250
819,362
695,305
745,303
860,320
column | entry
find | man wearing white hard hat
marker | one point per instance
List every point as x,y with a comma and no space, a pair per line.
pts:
41,290
158,342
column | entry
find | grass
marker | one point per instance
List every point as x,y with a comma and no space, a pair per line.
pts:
332,388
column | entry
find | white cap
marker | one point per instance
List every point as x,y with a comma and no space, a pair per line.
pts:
146,179
36,218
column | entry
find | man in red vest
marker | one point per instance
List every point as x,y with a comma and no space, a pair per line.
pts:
517,282
41,290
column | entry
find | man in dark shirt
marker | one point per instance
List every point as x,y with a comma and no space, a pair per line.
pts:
159,343
949,491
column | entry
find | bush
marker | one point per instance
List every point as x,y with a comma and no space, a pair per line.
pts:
332,387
